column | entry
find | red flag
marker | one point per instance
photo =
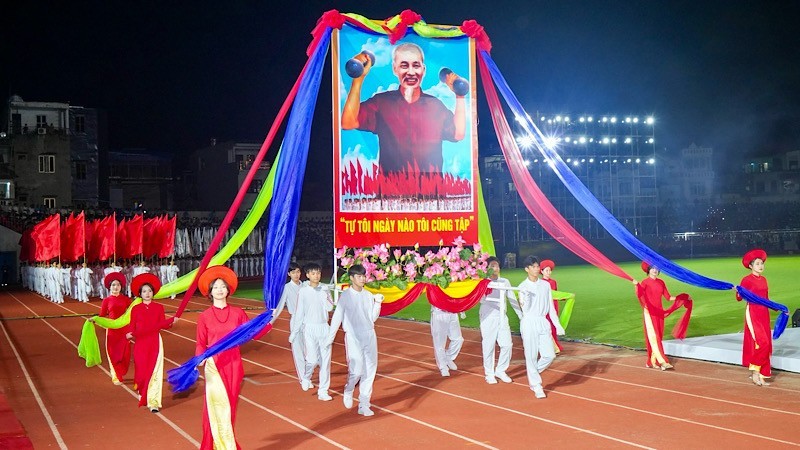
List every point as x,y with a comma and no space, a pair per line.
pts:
122,240
151,238
91,246
134,233
73,241
359,178
168,243
47,236
27,245
104,237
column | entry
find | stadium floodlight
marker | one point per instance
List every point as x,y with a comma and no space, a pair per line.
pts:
591,160
569,159
627,120
629,160
575,163
591,139
614,140
638,161
543,118
613,120
650,120
536,160
606,140
527,163
566,119
635,120
614,161
628,140
583,160
582,119
650,141
525,141
549,141
605,119
558,118
652,160
590,119
567,139
582,140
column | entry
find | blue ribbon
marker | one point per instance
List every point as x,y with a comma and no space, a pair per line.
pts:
282,220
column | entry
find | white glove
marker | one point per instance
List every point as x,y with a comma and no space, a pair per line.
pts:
463,315
378,298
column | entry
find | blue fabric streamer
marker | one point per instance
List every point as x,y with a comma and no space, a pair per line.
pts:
282,220
603,216
780,321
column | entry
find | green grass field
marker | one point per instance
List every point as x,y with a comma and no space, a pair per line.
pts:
606,310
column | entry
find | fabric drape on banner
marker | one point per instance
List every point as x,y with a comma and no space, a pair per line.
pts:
534,199
283,217
73,241
47,238
405,300
445,302
604,217
135,233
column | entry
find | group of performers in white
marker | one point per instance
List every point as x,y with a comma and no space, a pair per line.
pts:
80,281
311,336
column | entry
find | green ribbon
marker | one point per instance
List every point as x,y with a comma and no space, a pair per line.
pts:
89,347
566,313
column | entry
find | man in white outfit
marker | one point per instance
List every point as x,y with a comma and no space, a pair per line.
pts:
445,325
357,310
313,305
536,302
289,299
494,326
84,283
172,274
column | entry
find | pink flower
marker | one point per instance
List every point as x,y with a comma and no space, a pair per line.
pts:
459,241
397,270
476,247
346,262
397,253
380,275
341,252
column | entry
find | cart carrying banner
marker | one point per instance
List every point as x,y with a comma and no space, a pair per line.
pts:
405,139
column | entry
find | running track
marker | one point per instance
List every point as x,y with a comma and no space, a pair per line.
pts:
598,397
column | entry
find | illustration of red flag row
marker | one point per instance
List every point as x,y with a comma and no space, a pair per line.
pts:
99,239
356,181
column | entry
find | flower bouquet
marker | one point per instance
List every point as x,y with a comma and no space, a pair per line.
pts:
388,267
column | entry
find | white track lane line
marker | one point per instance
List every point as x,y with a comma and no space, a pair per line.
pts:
35,391
133,394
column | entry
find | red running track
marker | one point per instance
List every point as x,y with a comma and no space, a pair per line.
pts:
598,397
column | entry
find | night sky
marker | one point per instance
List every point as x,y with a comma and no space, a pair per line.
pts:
724,74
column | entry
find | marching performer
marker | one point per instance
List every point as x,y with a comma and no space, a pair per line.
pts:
289,298
650,291
536,304
313,305
547,271
495,328
445,325
147,319
757,343
357,310
118,349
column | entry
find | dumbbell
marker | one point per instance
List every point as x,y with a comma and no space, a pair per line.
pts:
355,68
460,85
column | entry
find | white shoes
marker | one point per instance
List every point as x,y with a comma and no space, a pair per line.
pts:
306,384
347,399
490,379
503,377
324,396
365,411
451,365
539,392
445,372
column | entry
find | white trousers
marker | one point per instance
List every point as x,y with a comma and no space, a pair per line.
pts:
537,341
318,353
299,355
495,330
362,363
445,325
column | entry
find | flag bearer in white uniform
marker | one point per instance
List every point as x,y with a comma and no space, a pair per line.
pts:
536,302
445,325
357,310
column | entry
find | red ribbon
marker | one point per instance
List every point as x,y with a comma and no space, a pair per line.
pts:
407,18
472,29
438,298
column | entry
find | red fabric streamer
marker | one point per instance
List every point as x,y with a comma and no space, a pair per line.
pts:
407,18
104,237
439,299
682,325
533,197
395,306
329,19
472,29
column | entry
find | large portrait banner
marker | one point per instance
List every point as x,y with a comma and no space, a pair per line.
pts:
405,140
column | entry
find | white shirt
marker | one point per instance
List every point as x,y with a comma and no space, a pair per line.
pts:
355,311
313,305
537,301
289,296
495,302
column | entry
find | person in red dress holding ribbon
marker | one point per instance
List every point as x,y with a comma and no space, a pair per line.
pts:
224,372
650,291
147,319
757,343
118,349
